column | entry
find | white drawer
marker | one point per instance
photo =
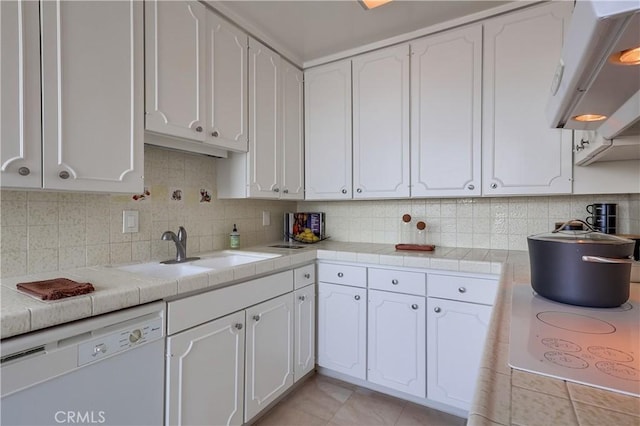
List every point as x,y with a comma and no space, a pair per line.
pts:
342,274
398,281
304,276
466,289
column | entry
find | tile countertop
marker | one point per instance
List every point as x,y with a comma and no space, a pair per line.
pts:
504,396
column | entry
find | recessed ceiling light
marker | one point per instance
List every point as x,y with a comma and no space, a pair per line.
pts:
628,57
370,4
589,117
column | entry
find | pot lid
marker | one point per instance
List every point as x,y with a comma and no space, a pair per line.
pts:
564,234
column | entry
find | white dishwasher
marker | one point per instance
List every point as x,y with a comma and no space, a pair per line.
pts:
106,370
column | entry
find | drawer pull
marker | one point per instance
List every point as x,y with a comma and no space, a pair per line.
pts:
414,307
307,276
462,290
340,275
301,298
256,317
238,326
394,282
357,297
436,310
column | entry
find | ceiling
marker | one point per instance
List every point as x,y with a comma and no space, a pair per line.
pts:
313,29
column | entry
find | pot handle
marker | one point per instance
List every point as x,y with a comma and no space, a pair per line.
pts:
599,259
561,227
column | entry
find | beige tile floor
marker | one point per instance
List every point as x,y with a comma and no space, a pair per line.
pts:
325,401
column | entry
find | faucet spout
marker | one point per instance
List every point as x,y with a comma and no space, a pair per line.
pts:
181,243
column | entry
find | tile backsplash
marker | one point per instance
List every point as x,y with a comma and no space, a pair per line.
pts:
48,231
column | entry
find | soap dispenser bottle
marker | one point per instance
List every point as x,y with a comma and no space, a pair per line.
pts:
234,238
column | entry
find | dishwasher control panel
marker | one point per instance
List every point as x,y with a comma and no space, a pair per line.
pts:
118,341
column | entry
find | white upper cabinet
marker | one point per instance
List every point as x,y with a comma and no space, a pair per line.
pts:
521,153
20,140
327,100
292,147
446,93
196,78
381,124
226,84
92,95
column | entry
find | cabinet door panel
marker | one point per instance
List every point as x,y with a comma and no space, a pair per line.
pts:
456,335
305,331
175,67
381,124
327,105
226,84
92,95
446,80
342,329
264,116
269,357
522,154
205,374
396,349
292,153
20,139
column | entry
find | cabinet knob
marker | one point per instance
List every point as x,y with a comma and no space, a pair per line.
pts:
64,174
414,307
359,190
357,297
238,326
471,187
344,191
276,189
436,310
462,290
215,134
394,282
24,171
256,317
199,129
340,275
301,298
307,276
493,185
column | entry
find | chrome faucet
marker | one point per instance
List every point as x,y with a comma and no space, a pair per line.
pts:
180,241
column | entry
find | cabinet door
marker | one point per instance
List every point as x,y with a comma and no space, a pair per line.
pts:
205,374
327,127
342,329
269,357
446,79
265,110
175,68
396,349
456,333
92,95
226,84
304,356
521,153
20,140
292,153
381,124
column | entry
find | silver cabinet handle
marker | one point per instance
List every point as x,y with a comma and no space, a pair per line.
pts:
600,259
215,134
344,191
414,306
493,185
238,326
199,129
462,290
307,276
436,310
357,297
359,190
64,174
340,275
471,187
24,171
256,317
286,191
394,282
276,189
301,298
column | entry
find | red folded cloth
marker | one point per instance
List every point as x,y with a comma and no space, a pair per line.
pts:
418,247
56,288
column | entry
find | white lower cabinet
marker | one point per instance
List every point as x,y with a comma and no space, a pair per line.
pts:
342,328
456,333
396,346
205,373
304,353
269,353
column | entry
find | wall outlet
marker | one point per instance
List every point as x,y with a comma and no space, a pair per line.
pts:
266,218
129,221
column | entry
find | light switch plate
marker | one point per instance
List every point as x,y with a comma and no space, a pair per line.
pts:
129,221
266,218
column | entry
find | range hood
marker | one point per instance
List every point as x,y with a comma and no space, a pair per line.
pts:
592,77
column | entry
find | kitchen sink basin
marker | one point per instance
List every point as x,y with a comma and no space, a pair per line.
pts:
161,270
228,258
